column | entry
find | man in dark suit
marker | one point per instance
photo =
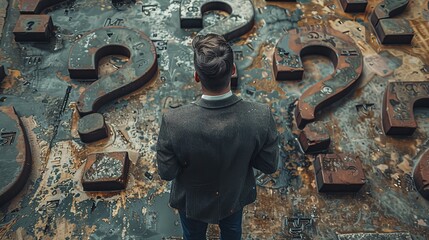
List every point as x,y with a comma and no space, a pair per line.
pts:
210,147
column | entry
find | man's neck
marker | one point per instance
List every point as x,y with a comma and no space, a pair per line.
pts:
212,96
210,93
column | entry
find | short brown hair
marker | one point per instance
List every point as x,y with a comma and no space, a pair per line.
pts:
213,60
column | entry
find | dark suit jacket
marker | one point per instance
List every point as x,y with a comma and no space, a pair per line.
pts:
209,150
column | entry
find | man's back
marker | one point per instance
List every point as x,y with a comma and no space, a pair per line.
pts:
209,147
216,144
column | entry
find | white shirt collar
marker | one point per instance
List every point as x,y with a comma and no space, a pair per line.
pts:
217,97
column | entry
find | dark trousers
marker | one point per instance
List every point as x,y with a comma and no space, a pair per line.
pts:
230,227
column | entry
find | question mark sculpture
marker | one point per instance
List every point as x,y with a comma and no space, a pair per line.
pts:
83,63
15,157
32,26
335,45
235,25
334,172
391,31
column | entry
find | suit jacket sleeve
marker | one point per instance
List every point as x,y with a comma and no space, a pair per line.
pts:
168,165
267,158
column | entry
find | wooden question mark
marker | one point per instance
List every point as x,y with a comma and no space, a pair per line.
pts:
83,62
335,45
15,155
347,175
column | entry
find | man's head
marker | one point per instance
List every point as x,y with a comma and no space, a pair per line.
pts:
214,62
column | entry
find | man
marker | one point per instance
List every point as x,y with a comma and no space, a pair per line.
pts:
210,147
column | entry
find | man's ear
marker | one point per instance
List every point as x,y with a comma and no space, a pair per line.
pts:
197,78
233,70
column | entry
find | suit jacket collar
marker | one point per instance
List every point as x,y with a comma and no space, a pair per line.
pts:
218,103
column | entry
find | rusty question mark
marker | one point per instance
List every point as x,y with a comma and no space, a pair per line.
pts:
338,47
83,64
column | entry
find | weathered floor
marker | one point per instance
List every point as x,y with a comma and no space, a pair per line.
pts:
53,204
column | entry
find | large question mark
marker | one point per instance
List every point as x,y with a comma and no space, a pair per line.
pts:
325,41
83,63
31,25
334,172
400,99
235,25
15,157
391,31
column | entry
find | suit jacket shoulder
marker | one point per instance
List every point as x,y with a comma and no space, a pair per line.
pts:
179,113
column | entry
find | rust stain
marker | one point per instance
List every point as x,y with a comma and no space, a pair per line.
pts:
11,80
